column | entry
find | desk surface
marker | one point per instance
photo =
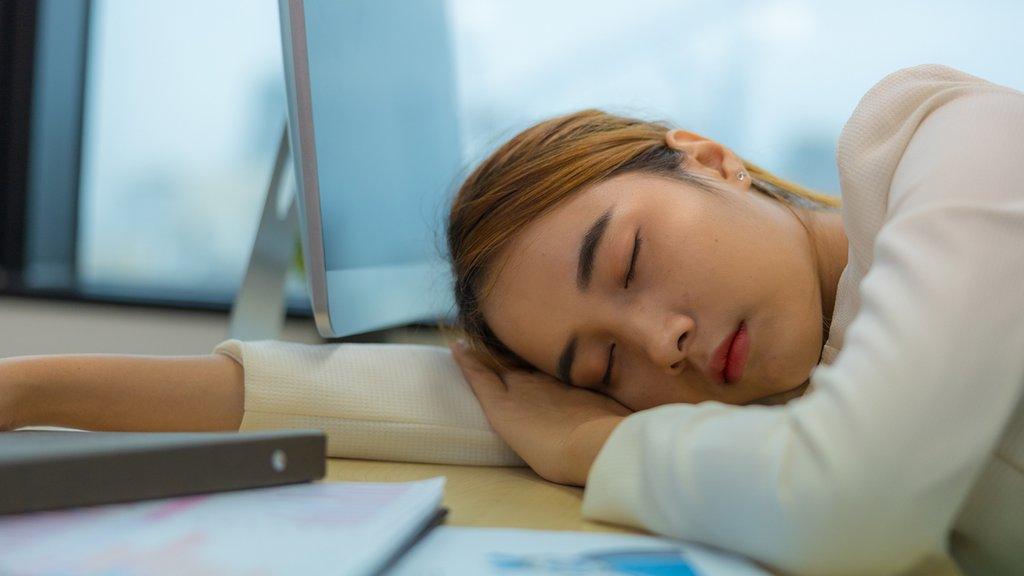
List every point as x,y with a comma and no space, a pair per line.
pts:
485,496
516,498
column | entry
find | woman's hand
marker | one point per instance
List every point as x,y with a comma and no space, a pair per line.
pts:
556,428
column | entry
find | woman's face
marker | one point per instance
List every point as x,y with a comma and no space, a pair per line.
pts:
704,262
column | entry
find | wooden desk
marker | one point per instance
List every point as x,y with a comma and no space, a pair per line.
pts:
516,498
485,496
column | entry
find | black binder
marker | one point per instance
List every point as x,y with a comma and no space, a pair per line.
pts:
44,470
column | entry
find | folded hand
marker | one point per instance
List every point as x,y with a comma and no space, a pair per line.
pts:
555,428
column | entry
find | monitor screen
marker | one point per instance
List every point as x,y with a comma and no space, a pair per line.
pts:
374,138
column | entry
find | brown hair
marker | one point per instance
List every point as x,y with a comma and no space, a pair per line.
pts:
540,168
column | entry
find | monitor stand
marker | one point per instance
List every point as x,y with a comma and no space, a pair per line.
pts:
259,309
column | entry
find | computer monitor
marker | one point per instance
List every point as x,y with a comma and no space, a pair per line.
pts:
374,137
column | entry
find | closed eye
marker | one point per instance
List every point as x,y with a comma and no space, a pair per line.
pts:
630,274
632,262
607,380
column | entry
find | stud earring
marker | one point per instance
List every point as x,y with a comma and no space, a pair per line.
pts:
741,175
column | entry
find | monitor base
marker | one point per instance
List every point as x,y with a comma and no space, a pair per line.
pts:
259,309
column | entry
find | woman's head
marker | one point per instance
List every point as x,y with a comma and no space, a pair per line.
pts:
591,237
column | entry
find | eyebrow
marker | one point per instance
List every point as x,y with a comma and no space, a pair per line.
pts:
588,249
584,272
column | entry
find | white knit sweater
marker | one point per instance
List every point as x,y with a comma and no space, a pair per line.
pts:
909,441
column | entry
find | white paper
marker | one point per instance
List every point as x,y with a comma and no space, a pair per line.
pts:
453,551
322,528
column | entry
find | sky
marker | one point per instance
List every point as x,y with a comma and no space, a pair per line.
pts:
185,99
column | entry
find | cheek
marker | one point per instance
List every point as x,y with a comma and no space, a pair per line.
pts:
634,390
646,389
795,334
687,272
630,399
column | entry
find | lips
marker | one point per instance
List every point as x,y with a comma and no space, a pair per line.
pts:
737,357
718,369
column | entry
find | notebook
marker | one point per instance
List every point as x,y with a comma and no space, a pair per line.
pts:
351,528
48,469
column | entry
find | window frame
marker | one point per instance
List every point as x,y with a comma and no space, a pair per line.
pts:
40,178
17,53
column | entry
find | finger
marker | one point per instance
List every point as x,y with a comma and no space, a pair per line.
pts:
481,379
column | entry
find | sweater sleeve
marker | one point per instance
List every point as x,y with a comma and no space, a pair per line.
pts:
400,402
865,474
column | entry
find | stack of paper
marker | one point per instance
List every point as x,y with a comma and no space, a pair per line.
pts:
451,551
326,528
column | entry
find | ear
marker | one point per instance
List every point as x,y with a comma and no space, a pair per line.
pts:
708,158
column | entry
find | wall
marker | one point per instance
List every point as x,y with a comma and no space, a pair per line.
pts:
44,326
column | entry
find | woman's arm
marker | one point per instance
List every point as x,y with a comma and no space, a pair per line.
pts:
121,392
404,402
868,473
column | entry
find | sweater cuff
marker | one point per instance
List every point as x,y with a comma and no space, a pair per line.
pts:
614,484
233,349
402,402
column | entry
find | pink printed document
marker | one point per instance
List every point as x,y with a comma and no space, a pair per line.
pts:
321,528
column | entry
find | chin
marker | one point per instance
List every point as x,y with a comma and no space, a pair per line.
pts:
778,397
773,383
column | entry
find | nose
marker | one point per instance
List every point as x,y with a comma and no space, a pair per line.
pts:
665,341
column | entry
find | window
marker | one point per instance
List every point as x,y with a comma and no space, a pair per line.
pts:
773,79
184,107
181,103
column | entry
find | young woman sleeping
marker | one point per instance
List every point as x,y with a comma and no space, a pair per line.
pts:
714,353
